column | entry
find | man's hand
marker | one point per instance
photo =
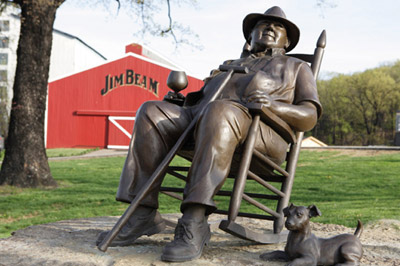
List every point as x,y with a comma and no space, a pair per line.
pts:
301,117
175,98
259,96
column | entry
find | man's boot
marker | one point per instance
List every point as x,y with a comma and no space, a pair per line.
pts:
190,238
139,224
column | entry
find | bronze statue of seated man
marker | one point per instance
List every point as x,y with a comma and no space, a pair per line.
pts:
284,84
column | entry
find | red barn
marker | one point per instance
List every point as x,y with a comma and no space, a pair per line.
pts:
97,107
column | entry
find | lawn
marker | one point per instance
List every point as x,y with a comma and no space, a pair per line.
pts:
345,187
59,152
67,152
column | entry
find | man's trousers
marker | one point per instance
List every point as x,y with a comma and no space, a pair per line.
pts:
222,127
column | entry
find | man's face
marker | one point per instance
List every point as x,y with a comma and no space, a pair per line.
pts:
268,34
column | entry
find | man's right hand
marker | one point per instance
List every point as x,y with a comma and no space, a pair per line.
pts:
259,96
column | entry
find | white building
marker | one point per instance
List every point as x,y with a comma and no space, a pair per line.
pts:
69,53
312,142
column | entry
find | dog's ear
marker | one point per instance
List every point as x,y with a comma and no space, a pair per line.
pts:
286,210
313,211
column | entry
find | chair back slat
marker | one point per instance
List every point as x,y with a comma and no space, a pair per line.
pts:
309,58
316,58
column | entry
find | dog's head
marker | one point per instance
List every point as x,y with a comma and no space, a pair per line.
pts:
298,216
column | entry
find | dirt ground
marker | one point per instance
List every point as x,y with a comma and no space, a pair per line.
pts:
72,242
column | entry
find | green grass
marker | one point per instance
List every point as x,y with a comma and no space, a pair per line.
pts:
60,152
67,152
347,188
86,189
344,188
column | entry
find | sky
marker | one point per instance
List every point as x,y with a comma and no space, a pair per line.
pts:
361,34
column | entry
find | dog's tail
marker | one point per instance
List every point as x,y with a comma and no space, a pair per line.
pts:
359,229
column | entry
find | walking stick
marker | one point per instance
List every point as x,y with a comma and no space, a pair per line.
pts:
158,173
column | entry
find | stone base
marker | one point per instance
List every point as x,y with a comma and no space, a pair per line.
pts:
72,242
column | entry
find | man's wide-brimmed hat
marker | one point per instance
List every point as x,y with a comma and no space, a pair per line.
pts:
275,14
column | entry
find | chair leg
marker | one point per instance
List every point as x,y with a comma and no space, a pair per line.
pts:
229,225
240,180
288,184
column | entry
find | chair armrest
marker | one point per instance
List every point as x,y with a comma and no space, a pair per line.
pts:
274,121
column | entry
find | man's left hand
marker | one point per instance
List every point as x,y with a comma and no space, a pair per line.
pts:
259,96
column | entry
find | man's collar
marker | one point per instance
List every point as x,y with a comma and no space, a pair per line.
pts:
270,52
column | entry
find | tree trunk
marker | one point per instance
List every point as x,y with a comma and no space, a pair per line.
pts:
25,163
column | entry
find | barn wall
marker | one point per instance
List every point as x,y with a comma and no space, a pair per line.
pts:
81,105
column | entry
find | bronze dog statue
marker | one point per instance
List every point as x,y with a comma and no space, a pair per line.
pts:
304,248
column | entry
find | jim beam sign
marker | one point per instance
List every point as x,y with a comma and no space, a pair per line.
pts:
130,78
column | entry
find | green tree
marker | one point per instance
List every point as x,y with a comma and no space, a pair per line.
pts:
25,163
394,71
360,109
334,126
372,93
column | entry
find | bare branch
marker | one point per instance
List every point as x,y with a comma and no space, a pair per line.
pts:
119,4
170,24
146,14
322,5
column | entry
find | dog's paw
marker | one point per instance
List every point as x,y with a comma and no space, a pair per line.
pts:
275,256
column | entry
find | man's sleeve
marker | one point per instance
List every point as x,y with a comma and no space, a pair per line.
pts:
306,88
